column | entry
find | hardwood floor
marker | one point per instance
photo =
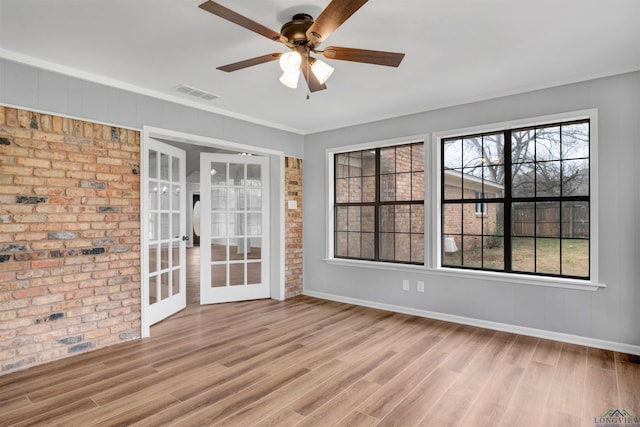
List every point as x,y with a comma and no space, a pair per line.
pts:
309,362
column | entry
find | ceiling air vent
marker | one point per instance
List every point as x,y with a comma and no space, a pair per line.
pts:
196,92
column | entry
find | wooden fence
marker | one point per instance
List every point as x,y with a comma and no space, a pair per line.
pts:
548,221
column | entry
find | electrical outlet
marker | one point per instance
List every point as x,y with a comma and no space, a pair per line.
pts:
405,285
420,286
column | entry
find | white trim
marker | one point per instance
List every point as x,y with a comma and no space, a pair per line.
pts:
521,279
282,291
95,78
497,326
592,115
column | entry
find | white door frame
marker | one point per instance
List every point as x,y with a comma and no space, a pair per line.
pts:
277,209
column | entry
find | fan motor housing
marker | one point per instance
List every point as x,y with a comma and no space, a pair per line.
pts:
296,30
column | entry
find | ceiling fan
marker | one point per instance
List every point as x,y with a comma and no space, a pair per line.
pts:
302,35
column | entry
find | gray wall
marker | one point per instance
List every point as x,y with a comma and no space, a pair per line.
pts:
33,88
611,314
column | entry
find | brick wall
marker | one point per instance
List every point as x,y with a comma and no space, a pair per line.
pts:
473,224
293,228
69,237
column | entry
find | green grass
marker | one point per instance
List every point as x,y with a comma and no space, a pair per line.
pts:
529,255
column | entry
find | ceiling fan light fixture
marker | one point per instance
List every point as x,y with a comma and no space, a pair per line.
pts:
290,61
290,78
321,70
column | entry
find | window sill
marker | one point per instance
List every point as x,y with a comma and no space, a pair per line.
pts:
554,282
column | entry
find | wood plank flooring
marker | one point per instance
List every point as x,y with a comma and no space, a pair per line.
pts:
310,362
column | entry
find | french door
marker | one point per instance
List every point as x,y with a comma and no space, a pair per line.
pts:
165,270
234,225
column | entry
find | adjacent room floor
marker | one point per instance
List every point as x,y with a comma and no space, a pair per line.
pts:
313,362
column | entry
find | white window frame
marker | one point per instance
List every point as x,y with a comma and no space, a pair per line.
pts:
593,282
432,181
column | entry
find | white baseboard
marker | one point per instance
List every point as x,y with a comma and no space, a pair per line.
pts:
505,327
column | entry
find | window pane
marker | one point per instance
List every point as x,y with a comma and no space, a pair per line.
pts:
219,249
341,244
403,186
402,247
575,220
453,154
403,159
417,157
472,251
575,141
548,179
342,190
472,152
368,245
523,146
548,256
417,248
387,246
493,149
523,180
451,253
452,185
492,221
523,219
387,188
254,176
355,190
218,173
403,219
493,181
548,143
369,189
354,245
493,252
355,164
575,257
368,163
387,160
523,254
548,219
153,164
368,219
452,218
342,165
417,219
387,218
236,174
417,186
575,177
342,218
354,218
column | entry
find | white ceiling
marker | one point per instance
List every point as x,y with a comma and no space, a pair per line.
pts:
456,51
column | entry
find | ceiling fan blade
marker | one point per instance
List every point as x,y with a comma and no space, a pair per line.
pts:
377,57
331,18
312,80
236,18
249,62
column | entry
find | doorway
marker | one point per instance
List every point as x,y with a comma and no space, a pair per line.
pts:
253,206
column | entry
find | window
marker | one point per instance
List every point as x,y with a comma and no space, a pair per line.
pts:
531,186
481,208
379,204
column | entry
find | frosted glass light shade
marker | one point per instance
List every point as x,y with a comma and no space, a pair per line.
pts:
290,78
290,61
322,71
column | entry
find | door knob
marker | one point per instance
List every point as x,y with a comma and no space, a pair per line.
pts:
185,238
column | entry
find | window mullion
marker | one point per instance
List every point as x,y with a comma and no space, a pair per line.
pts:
507,209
